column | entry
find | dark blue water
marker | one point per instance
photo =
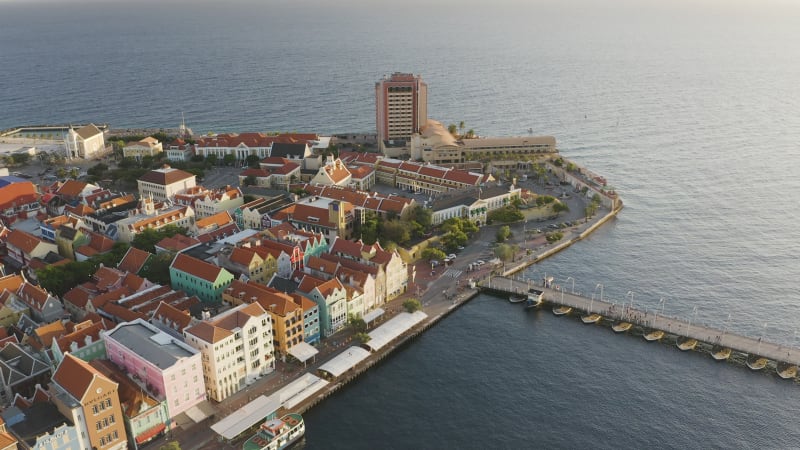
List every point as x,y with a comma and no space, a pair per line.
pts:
690,109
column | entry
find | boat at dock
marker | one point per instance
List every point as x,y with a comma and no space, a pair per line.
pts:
535,298
591,318
756,363
687,344
720,353
621,327
517,298
786,370
562,310
654,335
277,434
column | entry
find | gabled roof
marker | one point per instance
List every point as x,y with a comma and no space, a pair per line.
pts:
308,283
76,376
327,288
134,260
72,188
208,332
177,243
258,173
11,282
284,150
165,176
80,334
33,296
87,131
196,267
24,241
321,265
304,302
243,256
217,220
171,315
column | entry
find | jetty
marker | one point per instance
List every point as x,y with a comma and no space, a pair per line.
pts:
654,326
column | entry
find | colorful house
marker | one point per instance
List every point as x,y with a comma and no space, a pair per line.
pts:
237,349
22,247
91,401
311,327
198,277
166,367
331,297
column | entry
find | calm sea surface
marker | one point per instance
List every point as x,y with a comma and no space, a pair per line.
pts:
692,112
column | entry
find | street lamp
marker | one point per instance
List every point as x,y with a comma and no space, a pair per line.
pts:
688,329
631,294
763,331
573,283
601,290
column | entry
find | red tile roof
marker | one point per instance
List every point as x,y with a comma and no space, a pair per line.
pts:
196,267
72,188
24,241
165,176
217,220
76,376
171,315
134,260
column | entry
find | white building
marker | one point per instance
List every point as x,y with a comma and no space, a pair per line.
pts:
85,142
162,184
148,146
237,349
148,217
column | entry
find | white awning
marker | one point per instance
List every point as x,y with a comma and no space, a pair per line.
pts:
344,361
299,390
374,314
246,416
303,351
393,328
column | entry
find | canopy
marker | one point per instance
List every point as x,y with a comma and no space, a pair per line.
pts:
246,416
344,361
393,328
374,314
299,390
303,351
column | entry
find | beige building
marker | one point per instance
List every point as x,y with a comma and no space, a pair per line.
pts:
237,348
85,142
150,217
162,184
401,104
148,146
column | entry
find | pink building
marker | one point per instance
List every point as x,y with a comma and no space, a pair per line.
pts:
166,367
401,106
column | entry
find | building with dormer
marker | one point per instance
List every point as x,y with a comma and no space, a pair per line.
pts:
236,347
331,297
91,401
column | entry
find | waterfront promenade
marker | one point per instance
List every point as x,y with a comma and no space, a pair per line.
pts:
650,320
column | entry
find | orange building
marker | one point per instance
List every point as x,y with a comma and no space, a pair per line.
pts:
91,401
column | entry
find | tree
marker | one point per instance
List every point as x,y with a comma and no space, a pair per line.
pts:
97,170
74,173
250,180
357,324
431,253
412,305
505,252
20,158
211,160
395,231
452,129
156,268
61,172
172,445
147,239
559,207
252,161
470,134
229,159
362,337
554,236
422,216
461,127
503,233
368,231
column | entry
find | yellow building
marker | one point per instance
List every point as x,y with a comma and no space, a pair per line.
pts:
148,146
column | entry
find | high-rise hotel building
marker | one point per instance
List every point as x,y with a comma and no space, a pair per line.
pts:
401,103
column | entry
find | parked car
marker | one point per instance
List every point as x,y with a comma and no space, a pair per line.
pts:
479,262
452,256
461,247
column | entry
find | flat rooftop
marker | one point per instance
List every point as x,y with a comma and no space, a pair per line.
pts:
151,344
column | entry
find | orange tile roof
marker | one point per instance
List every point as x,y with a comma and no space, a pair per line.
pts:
243,256
196,267
33,296
327,288
177,243
134,260
165,176
46,333
77,296
75,376
79,335
321,265
170,314
208,332
80,210
23,241
11,282
72,188
306,303
308,283
217,220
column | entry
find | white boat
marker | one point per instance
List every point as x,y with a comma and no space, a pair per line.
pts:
591,318
687,344
277,434
517,298
756,363
562,310
621,327
654,335
720,353
786,371
535,298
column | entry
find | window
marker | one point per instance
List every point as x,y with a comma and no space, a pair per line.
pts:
95,409
111,419
115,434
99,426
108,403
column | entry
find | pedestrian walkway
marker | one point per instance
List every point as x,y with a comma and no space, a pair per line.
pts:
453,273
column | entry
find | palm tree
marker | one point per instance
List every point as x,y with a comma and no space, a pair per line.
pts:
470,133
452,129
461,127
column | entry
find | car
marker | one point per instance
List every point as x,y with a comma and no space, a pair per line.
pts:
479,262
452,256
553,226
461,247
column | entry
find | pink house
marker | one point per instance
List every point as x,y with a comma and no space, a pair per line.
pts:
166,367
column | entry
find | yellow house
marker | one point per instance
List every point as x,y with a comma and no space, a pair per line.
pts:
148,146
